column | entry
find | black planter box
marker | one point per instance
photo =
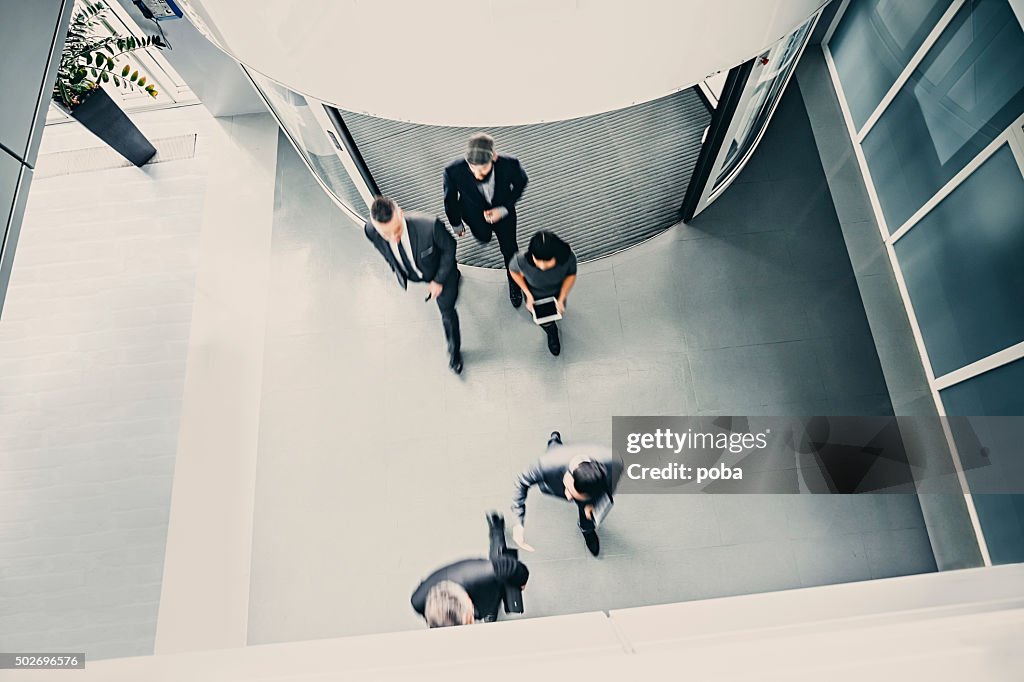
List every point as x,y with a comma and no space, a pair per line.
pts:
105,119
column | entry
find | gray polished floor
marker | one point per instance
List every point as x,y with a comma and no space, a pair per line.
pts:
376,464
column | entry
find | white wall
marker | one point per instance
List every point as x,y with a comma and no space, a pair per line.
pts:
467,62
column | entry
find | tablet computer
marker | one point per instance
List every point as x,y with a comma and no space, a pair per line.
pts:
602,506
545,310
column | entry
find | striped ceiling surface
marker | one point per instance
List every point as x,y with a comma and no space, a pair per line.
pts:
603,183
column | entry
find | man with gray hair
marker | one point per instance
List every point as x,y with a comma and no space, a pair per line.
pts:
474,589
448,604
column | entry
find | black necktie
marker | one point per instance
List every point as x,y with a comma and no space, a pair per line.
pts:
410,271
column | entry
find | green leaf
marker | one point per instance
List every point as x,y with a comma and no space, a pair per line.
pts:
125,70
104,77
135,76
117,81
142,81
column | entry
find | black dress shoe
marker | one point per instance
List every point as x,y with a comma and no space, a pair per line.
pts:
495,521
515,295
593,544
455,363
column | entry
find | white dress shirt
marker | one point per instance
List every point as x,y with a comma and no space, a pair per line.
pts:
487,187
404,240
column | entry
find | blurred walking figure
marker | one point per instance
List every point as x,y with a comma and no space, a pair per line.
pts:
584,474
481,190
418,248
546,270
474,589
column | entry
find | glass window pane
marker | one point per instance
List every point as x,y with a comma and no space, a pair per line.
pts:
298,121
963,267
998,393
771,79
873,44
967,91
1002,523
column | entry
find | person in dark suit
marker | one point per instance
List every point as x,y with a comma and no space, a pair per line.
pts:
586,475
473,589
418,248
481,190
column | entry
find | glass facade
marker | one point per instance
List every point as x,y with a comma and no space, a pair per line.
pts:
960,260
310,137
962,264
966,91
997,392
874,43
768,79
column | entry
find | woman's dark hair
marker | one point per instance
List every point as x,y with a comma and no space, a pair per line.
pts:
546,245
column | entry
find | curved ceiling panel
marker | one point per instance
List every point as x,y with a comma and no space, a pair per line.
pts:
490,63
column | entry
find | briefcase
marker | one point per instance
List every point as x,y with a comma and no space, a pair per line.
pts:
513,597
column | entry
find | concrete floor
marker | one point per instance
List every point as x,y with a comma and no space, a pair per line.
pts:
376,465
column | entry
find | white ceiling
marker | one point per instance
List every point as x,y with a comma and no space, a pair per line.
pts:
487,62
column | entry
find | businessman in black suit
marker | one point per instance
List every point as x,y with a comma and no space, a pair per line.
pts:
474,589
584,474
481,190
418,248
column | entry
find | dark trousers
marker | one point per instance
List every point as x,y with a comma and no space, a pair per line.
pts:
498,548
586,525
505,231
513,594
449,316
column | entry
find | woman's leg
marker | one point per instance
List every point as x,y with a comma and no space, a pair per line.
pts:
554,344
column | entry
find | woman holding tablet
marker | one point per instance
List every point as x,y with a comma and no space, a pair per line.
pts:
546,274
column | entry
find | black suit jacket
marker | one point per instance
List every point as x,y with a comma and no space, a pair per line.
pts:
463,202
548,472
432,246
484,580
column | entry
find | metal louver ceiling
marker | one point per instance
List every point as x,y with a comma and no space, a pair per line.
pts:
603,183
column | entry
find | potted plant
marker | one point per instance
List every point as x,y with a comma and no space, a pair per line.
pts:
89,59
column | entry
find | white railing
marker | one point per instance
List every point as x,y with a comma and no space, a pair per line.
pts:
953,625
